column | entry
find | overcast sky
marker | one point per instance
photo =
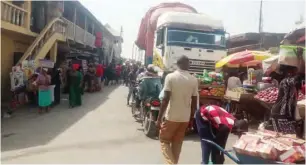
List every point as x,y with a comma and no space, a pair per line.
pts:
238,16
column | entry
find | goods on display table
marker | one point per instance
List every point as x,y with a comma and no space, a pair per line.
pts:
211,87
211,78
234,93
271,146
218,91
269,95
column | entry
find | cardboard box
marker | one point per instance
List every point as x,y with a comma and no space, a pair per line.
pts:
286,141
267,151
250,149
268,133
239,146
301,150
280,147
291,156
249,138
298,142
293,136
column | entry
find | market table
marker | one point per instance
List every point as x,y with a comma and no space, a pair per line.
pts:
254,107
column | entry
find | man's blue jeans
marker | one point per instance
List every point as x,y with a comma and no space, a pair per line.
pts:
204,133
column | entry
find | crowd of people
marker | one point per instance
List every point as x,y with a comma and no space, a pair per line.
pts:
45,86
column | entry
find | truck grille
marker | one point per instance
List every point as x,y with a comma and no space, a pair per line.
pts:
197,66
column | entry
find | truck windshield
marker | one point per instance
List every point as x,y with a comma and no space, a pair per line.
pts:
208,40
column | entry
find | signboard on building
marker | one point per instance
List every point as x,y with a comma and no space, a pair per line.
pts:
98,41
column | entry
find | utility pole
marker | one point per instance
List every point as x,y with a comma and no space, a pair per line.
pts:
260,24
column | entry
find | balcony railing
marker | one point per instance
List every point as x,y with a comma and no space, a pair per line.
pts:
13,14
79,35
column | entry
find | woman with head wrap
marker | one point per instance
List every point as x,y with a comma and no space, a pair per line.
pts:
44,94
282,117
75,91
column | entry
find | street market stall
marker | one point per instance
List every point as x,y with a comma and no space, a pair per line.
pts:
239,99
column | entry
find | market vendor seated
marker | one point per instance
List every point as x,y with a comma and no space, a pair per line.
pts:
233,81
215,123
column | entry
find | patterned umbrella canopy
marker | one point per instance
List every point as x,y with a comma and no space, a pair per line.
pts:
240,58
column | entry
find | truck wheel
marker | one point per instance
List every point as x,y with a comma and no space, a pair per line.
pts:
149,127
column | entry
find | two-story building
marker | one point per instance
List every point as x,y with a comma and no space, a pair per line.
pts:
254,41
33,30
113,44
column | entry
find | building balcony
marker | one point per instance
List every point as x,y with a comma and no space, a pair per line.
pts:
79,35
13,14
15,18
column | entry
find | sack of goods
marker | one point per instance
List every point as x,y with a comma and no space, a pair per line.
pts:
287,55
272,146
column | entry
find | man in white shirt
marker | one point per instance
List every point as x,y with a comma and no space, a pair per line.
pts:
178,104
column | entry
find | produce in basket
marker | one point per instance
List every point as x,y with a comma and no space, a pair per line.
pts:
212,92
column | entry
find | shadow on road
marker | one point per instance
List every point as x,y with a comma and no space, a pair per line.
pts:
192,137
30,129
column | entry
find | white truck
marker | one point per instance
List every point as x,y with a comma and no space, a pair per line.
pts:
197,36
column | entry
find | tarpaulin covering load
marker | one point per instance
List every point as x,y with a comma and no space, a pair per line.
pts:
147,27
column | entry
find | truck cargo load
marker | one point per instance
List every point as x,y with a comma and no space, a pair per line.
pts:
148,25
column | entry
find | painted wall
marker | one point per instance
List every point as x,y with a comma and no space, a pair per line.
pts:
10,43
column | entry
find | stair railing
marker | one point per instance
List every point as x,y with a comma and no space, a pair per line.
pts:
57,25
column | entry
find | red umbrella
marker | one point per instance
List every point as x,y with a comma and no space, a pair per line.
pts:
247,56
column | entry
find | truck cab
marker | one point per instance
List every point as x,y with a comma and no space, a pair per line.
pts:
197,36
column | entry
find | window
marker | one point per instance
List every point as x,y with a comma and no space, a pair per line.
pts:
159,38
209,40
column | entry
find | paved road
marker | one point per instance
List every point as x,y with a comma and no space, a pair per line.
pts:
101,131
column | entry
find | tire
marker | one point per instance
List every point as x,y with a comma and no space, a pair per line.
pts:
133,109
149,127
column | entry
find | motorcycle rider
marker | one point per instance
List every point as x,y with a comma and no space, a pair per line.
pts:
150,85
132,76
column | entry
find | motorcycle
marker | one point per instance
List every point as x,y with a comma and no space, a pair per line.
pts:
134,109
150,112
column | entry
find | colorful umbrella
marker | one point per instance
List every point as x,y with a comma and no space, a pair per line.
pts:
252,63
240,58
